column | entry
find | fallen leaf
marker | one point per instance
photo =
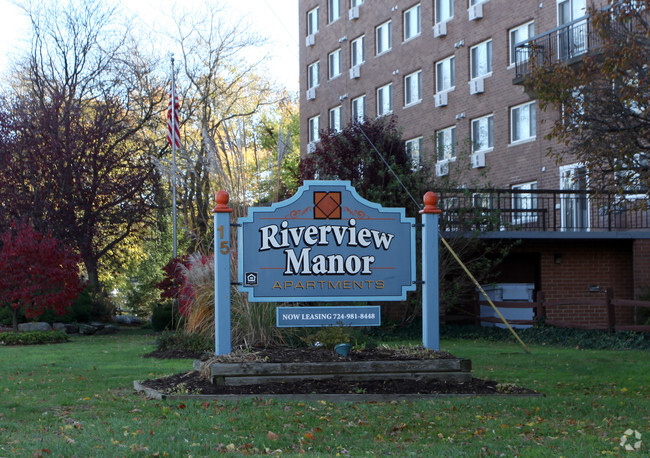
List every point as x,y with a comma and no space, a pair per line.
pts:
272,436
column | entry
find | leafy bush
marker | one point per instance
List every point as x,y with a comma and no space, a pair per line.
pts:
180,340
33,337
548,335
37,272
329,337
164,317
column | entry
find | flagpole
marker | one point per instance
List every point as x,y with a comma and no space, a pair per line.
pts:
174,115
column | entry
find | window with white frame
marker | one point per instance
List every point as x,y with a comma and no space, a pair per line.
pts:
312,21
335,119
313,75
359,108
522,122
444,10
354,3
385,100
334,10
413,88
476,2
481,59
524,204
517,35
357,51
383,39
314,129
446,74
483,134
334,60
412,23
446,144
413,149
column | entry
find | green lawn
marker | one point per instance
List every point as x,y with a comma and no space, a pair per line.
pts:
77,399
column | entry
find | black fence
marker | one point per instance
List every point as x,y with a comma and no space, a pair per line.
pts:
543,210
565,43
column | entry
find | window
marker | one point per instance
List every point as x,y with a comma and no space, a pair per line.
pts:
413,149
476,2
383,37
312,75
335,119
312,21
357,52
446,74
444,10
446,144
572,39
412,25
524,204
354,3
517,35
334,10
334,63
359,108
413,88
314,129
481,59
522,122
385,100
482,134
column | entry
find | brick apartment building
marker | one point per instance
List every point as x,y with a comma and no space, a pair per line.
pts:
450,71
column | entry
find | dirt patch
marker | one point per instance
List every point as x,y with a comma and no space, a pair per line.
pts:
192,382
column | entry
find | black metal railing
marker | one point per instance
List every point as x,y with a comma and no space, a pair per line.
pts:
542,210
565,43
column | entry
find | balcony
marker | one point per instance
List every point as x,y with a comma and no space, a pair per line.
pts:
567,43
544,213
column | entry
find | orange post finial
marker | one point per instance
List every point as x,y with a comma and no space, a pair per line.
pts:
430,201
222,203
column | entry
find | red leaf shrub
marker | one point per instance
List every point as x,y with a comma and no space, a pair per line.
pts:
37,272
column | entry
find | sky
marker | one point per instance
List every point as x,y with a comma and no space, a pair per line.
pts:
276,20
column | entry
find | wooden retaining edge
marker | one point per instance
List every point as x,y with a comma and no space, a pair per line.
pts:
153,394
249,373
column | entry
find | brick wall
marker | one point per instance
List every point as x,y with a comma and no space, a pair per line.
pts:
584,264
507,163
641,266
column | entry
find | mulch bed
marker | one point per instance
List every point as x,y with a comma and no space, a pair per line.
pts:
192,382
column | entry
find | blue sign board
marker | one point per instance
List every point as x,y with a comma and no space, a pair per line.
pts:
326,243
363,315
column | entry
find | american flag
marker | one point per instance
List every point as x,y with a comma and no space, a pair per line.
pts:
173,126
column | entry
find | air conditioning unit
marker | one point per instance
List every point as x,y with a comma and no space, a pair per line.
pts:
354,13
442,168
311,147
311,93
440,29
310,40
475,12
477,86
355,72
440,99
478,160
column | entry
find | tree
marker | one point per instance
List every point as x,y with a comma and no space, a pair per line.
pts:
603,102
350,155
220,94
75,156
37,273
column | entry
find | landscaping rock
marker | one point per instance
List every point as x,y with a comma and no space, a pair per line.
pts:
39,326
127,319
97,324
87,329
67,328
107,329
